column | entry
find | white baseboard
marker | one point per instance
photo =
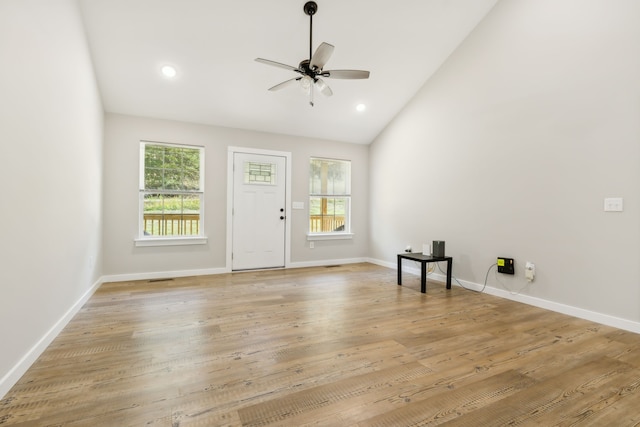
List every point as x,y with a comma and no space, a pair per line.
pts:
326,262
163,275
15,373
212,271
581,313
393,265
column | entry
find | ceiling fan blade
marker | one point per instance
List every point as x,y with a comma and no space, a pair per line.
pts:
285,84
346,74
321,55
277,64
323,88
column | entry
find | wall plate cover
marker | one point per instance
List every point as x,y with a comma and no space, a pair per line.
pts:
613,204
505,265
529,271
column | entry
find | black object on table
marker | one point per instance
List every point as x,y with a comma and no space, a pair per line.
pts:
424,260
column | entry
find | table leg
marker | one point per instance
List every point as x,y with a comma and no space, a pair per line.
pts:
449,266
399,271
423,277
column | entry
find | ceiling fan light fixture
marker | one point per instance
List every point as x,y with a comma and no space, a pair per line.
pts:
306,83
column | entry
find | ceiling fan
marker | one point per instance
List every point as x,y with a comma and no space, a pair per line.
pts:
310,70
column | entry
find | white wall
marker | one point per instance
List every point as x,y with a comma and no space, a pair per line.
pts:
51,175
510,149
122,138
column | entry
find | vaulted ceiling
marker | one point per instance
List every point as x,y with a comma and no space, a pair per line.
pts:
213,43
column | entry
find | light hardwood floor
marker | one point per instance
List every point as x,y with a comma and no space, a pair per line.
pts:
333,346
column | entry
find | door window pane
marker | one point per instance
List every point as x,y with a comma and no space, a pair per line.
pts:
259,173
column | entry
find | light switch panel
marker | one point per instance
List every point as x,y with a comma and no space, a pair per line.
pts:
297,205
613,204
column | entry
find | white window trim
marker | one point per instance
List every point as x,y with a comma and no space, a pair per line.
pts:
149,241
171,241
329,236
333,235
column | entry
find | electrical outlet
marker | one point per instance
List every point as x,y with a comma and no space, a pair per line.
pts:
312,245
529,271
505,265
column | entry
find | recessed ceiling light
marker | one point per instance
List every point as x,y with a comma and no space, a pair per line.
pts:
169,71
361,107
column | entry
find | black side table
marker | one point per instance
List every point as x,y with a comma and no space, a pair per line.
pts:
424,260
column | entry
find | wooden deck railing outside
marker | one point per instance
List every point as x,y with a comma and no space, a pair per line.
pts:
189,224
326,223
171,224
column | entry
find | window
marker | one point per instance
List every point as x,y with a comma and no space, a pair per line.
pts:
329,196
259,173
171,190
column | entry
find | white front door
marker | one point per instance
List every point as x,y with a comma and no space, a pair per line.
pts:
259,211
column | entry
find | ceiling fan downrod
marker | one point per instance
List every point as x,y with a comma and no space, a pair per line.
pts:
310,8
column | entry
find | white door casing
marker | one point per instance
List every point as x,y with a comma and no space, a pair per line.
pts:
258,207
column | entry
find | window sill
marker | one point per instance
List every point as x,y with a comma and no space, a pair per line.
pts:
170,241
330,236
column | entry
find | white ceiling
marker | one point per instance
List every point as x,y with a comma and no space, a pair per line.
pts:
213,44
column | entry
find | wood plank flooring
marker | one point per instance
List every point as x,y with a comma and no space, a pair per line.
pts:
338,346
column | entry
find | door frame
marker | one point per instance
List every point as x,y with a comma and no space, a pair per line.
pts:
287,238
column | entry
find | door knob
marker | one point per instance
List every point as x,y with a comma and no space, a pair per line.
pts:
282,217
